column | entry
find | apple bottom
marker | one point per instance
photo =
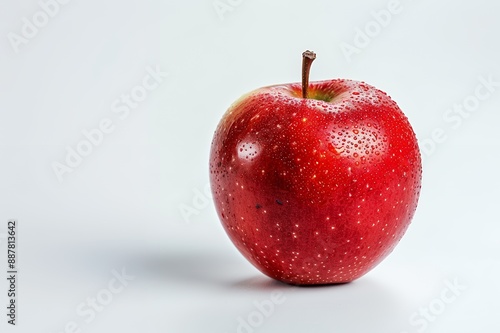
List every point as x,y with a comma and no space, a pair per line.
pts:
311,245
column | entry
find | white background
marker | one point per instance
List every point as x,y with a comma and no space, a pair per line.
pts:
120,209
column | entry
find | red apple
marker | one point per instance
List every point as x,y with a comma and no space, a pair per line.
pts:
315,183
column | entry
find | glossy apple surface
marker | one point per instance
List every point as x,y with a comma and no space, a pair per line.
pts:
315,190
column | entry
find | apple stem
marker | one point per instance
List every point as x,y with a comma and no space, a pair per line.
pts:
307,59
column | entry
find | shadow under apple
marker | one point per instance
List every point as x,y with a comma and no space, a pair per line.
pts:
220,290
229,292
364,305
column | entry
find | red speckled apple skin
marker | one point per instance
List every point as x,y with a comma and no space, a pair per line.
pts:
315,191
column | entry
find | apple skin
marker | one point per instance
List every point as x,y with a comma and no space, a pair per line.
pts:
317,190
